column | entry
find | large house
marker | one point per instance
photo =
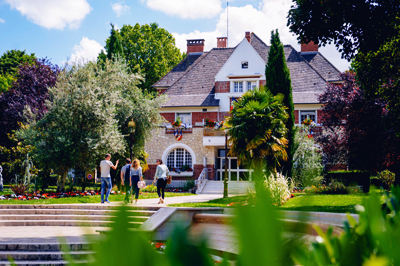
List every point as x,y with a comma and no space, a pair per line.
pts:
203,86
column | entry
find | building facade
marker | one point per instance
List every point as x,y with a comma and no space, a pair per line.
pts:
202,88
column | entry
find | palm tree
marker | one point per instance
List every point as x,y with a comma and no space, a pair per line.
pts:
257,130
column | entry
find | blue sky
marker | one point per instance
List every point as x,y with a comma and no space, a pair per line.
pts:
76,29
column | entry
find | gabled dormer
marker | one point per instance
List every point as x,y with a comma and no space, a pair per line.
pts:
243,71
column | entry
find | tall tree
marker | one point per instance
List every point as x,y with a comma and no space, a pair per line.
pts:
278,81
114,44
147,49
87,109
257,129
30,89
10,62
365,31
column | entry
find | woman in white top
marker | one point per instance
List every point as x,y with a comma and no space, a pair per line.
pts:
161,178
136,174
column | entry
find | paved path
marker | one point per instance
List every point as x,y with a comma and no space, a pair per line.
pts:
51,234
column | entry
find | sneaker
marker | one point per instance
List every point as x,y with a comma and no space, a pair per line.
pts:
108,201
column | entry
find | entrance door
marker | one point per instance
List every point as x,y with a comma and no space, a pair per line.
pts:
236,172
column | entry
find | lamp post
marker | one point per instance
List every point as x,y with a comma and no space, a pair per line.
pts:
131,130
226,166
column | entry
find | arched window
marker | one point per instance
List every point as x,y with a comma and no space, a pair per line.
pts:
178,158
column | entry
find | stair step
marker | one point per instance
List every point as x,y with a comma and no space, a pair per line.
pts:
61,223
11,217
41,262
75,207
44,246
71,212
42,255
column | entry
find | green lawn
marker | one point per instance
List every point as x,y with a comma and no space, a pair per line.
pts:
301,202
89,199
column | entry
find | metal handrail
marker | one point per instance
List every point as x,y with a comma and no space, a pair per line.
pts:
201,181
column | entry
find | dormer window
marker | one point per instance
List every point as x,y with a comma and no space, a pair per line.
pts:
245,64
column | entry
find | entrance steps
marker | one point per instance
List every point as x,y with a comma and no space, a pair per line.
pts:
234,187
93,215
43,253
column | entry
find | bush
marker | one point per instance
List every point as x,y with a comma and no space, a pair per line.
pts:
351,178
278,186
307,160
387,178
334,187
149,188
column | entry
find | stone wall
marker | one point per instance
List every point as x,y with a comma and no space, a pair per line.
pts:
161,141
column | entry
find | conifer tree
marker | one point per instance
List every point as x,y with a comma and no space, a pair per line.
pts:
278,81
114,44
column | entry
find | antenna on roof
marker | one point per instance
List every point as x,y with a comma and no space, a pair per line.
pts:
227,39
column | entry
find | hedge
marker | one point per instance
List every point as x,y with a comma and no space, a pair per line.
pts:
351,178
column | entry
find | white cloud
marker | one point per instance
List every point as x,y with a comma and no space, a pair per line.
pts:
2,20
87,50
120,9
186,9
53,14
270,15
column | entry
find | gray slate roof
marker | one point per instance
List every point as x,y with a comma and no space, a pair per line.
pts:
192,82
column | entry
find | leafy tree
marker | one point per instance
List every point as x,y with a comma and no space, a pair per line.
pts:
87,109
354,25
147,49
278,80
257,129
354,128
9,66
30,89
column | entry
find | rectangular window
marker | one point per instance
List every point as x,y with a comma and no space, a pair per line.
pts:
251,85
186,118
308,114
238,86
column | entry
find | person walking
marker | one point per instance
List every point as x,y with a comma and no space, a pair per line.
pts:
126,179
136,176
105,166
161,178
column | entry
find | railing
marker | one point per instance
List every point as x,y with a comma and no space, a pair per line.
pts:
202,180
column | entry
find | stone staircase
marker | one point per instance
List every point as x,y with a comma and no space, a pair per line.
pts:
234,187
43,254
68,215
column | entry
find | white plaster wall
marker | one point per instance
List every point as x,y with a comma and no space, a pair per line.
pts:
233,66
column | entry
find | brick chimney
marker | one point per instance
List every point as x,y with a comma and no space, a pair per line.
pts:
221,42
248,36
195,46
309,47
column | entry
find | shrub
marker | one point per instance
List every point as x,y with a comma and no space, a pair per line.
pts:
387,178
334,187
349,178
307,160
149,188
278,187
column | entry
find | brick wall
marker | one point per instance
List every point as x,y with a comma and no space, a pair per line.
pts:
222,86
199,116
161,91
170,117
263,82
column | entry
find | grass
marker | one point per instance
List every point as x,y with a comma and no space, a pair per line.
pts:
89,199
301,202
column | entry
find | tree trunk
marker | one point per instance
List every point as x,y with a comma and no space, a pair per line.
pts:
61,183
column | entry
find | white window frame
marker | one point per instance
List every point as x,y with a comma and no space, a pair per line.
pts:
185,157
251,82
190,115
237,88
308,113
244,85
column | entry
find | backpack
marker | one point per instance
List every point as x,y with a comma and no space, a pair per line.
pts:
127,174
